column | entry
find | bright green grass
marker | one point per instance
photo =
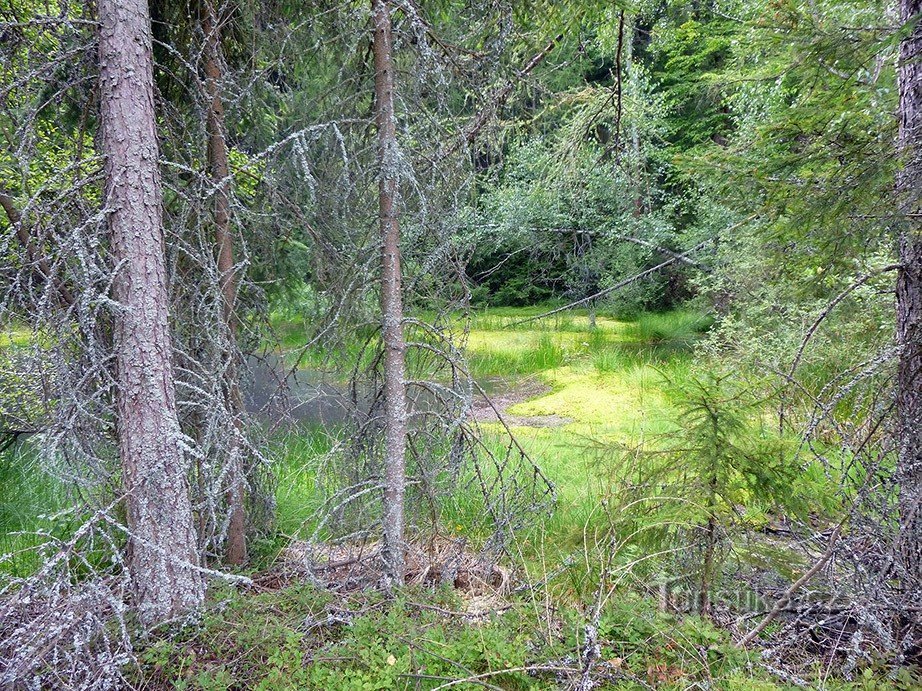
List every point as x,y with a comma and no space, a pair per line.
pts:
680,327
607,381
614,385
28,495
15,337
297,458
608,384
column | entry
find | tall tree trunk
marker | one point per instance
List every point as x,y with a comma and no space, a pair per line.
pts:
236,551
395,435
162,558
909,305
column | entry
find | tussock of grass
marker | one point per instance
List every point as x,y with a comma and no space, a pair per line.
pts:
16,338
297,457
679,326
544,353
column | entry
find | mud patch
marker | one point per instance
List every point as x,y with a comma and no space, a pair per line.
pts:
501,397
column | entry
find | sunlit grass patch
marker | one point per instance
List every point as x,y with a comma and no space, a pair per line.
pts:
607,386
298,457
519,354
605,379
616,405
15,337
514,319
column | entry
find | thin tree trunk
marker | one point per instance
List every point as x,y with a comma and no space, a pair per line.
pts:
162,559
909,306
395,441
236,551
707,568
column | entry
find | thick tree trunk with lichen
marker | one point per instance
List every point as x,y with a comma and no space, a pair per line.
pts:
909,305
162,559
218,169
395,433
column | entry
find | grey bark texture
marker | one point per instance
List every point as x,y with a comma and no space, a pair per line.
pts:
909,305
162,555
218,169
395,432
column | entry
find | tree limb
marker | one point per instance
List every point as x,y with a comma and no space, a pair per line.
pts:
670,253
500,96
22,234
783,601
611,289
831,306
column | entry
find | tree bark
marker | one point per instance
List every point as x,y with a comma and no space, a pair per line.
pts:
909,306
395,432
162,555
218,168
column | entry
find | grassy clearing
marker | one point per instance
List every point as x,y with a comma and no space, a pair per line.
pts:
605,379
615,386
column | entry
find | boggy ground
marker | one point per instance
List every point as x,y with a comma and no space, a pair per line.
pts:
576,398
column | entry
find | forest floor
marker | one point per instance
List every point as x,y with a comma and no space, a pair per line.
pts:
578,399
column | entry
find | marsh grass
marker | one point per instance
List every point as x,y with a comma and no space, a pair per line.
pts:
604,379
289,338
29,496
681,327
19,336
545,353
298,457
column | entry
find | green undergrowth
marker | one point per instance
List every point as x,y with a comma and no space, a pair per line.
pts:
29,499
302,638
15,337
624,458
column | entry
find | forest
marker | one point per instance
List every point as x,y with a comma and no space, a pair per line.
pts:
461,344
